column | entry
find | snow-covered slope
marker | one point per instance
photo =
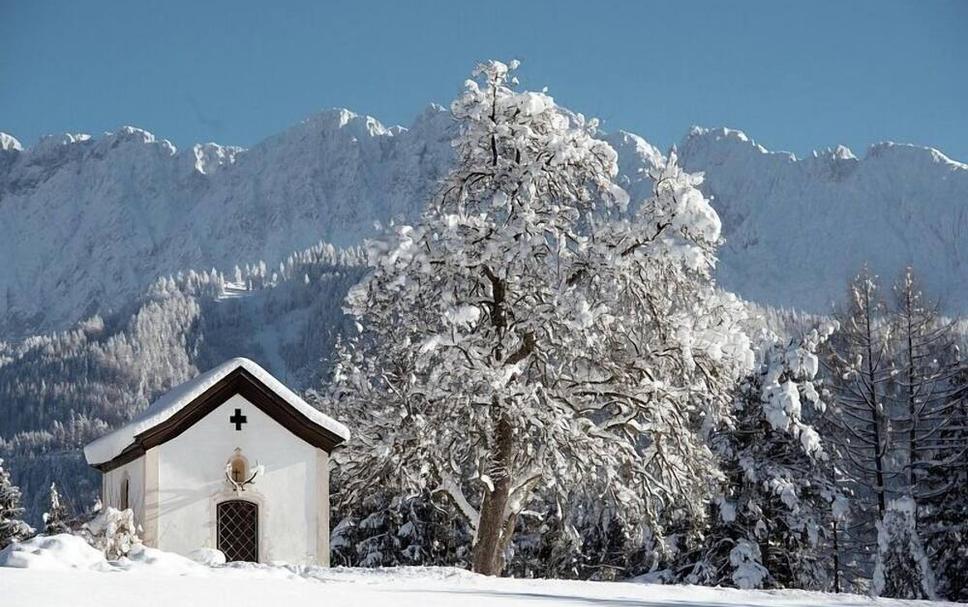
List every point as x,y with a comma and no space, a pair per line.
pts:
86,223
797,228
152,577
62,390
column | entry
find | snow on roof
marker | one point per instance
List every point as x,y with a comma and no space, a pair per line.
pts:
111,445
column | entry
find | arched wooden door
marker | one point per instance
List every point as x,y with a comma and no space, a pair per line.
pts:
238,530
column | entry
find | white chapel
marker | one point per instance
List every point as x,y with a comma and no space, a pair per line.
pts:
232,460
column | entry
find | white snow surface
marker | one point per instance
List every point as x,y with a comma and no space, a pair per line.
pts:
796,229
63,570
9,142
86,223
112,444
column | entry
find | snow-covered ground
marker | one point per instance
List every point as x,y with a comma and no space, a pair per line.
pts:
63,570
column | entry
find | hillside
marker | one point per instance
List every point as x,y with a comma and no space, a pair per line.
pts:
60,390
796,229
86,224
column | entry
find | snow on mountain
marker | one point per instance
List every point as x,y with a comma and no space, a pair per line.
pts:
9,142
86,223
796,229
210,157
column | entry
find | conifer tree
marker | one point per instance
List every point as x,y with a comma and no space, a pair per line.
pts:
943,513
859,421
56,517
926,363
112,531
12,526
929,417
862,371
774,517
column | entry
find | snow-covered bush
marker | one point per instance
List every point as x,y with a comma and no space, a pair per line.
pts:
52,552
902,569
745,559
388,530
210,557
112,531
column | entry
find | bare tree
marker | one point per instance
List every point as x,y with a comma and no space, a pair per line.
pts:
926,361
861,370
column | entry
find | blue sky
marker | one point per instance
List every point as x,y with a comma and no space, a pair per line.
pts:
795,76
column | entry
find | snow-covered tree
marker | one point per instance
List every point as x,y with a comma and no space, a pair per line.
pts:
896,421
12,526
902,569
532,334
774,518
861,370
930,414
57,515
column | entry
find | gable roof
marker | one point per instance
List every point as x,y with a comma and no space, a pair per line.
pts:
185,404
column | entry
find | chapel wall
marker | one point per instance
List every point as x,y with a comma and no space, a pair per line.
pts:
111,484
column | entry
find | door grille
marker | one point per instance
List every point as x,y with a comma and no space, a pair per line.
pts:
238,530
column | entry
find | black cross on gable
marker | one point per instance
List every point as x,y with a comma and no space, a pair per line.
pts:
238,419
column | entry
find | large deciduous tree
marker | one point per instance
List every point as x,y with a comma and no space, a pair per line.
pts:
534,334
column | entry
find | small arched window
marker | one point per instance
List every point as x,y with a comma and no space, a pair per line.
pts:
124,502
238,474
238,467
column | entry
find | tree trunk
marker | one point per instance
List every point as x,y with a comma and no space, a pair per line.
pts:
836,559
880,446
489,549
506,534
912,398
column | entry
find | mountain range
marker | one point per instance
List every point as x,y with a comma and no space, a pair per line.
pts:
87,223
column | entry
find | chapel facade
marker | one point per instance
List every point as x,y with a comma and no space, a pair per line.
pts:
232,460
